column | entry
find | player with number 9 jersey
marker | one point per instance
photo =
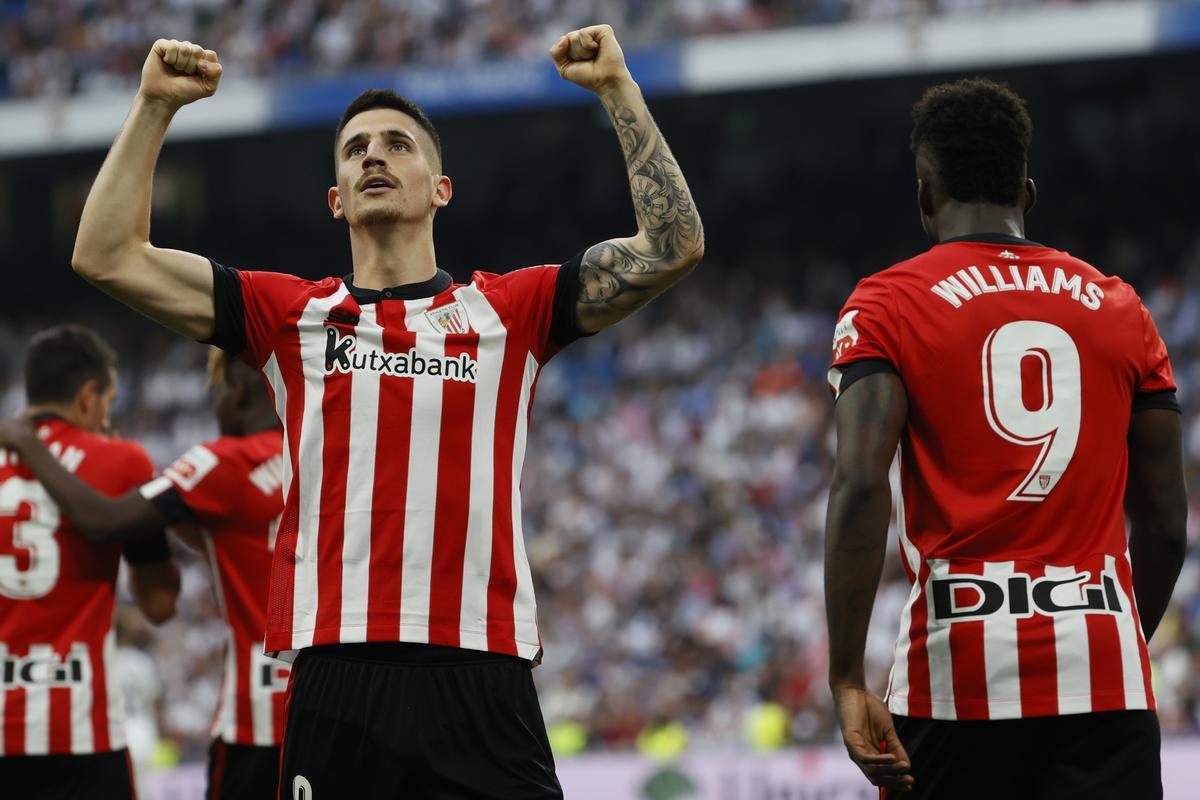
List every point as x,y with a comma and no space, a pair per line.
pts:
1022,365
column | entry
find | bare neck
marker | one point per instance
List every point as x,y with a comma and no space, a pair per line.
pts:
69,413
392,255
964,219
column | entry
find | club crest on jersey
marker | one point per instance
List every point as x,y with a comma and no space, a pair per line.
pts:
845,335
1043,481
450,318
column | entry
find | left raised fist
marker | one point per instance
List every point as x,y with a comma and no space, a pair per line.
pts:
591,57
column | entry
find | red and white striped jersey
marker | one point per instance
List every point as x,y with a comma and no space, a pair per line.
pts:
232,487
1022,367
405,413
57,595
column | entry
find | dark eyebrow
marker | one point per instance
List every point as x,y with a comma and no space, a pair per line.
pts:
394,133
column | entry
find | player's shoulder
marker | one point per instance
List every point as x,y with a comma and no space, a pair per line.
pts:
106,461
285,284
486,281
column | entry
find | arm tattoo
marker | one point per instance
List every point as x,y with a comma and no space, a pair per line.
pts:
620,275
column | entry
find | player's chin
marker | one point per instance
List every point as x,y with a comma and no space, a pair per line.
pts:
377,214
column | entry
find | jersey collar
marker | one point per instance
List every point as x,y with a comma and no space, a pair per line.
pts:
993,238
439,283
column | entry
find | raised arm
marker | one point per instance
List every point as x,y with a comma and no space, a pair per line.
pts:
1156,504
870,417
619,276
97,517
112,248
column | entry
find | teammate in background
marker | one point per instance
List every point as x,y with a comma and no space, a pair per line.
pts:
224,499
400,570
64,728
1034,407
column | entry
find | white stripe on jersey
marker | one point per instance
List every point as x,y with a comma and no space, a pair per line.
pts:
360,484
1130,639
224,726
82,735
116,700
1001,667
279,388
937,644
897,693
477,560
420,504
1074,655
524,606
311,455
37,706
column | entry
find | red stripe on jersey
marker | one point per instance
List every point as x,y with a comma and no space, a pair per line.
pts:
14,728
100,740
453,500
968,670
392,439
1037,658
920,698
245,711
502,584
60,719
1125,576
283,569
335,457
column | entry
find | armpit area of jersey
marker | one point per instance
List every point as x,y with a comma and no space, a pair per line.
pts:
229,311
149,550
564,323
1166,400
861,369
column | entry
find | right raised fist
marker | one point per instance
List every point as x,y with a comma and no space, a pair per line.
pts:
177,73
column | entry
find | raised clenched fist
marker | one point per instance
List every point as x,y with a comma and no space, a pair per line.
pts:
177,73
591,58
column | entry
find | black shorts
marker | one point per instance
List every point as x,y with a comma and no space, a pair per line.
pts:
1112,755
376,721
91,776
242,771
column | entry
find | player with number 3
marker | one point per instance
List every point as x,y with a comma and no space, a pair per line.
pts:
1033,405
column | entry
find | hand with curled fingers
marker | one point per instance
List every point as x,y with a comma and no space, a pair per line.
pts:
870,738
177,73
591,57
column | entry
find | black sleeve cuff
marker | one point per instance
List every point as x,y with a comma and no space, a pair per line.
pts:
152,549
564,322
1144,401
173,507
861,369
229,311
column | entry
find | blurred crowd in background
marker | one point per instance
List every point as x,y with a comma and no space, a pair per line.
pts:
674,492
58,47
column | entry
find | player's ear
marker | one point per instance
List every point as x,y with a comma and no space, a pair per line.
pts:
335,203
925,197
1030,195
87,396
443,190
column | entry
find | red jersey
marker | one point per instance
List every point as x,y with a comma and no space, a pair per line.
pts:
57,595
1022,367
405,415
232,487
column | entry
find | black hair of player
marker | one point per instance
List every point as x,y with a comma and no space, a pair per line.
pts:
977,133
61,359
386,98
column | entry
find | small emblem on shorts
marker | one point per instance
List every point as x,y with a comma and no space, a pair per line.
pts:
450,318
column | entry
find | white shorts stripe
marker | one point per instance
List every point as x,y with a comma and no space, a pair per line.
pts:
478,549
360,485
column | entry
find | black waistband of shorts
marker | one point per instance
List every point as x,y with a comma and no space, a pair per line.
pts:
410,653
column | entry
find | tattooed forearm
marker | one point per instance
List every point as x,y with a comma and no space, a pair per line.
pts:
620,275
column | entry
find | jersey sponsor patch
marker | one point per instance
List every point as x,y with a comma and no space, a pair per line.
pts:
191,467
845,335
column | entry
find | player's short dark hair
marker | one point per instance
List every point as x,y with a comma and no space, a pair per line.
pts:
386,98
977,133
61,359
